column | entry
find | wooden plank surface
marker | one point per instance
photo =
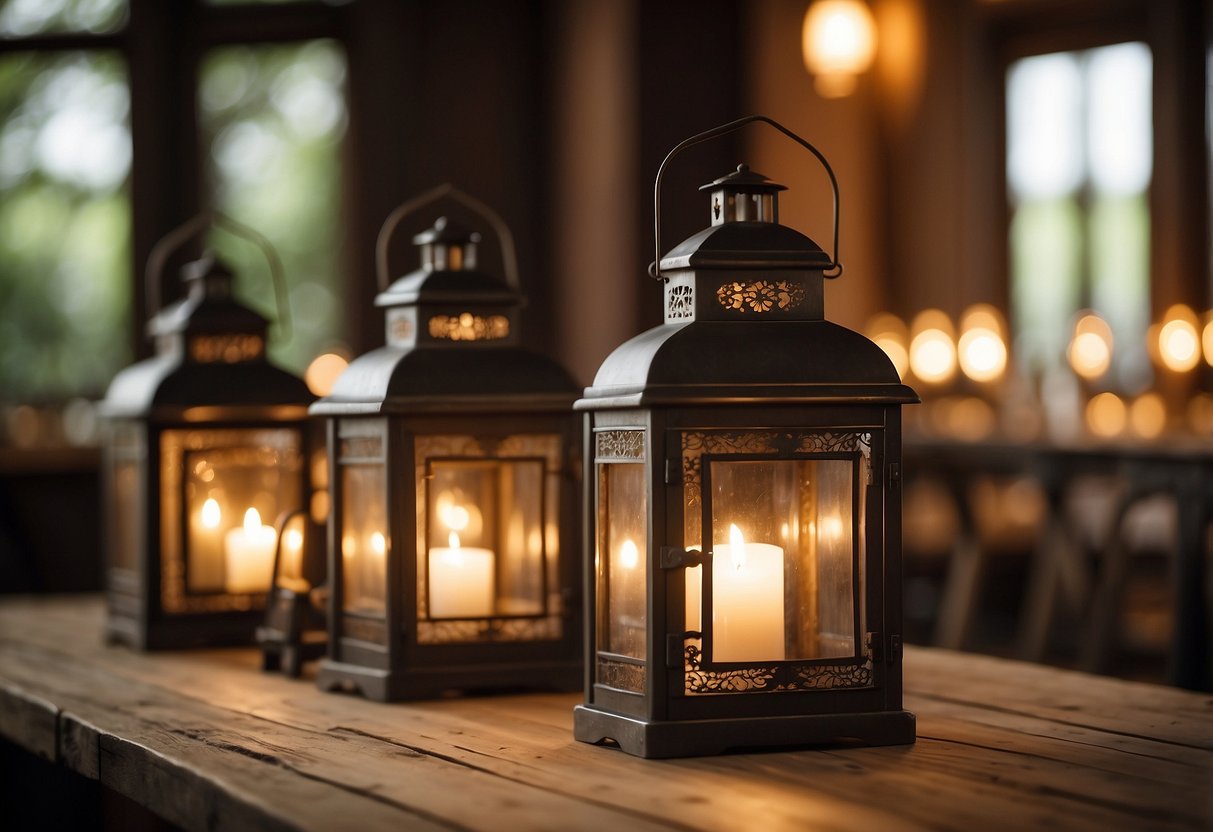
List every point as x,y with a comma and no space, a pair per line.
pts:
208,741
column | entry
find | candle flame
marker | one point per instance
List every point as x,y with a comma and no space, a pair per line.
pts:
453,540
210,513
378,543
629,555
293,539
252,520
737,546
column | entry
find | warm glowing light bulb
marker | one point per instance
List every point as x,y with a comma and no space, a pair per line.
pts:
983,355
933,356
211,514
838,41
736,546
1090,355
252,520
322,373
629,556
1178,342
1106,415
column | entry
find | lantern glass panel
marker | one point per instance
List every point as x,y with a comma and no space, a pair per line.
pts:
485,541
784,560
125,515
622,558
364,539
221,491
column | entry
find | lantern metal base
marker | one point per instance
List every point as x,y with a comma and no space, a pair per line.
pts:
431,683
700,738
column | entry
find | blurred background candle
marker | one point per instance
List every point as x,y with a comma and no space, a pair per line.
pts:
249,555
461,581
747,601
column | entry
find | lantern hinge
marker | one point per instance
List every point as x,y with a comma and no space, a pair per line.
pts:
873,645
674,558
675,649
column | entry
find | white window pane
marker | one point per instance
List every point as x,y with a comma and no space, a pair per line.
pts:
1044,126
1120,133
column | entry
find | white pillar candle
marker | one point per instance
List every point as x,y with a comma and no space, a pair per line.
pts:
206,548
747,601
249,555
461,581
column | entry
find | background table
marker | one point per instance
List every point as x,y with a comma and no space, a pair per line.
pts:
206,740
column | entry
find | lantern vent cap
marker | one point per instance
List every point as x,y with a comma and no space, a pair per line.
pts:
744,179
209,305
446,230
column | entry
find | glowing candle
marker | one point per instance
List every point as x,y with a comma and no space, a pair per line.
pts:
249,555
747,600
461,581
206,548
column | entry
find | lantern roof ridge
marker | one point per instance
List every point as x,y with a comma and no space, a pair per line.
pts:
409,379
722,361
448,286
168,380
744,179
757,245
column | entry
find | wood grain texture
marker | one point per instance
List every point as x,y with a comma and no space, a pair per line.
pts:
208,741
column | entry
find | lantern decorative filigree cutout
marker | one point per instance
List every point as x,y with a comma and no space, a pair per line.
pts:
206,446
744,514
453,539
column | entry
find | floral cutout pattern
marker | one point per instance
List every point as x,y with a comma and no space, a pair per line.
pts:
760,295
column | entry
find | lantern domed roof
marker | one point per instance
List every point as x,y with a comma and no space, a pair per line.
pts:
720,362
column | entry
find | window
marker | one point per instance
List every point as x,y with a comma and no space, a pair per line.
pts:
83,199
1079,166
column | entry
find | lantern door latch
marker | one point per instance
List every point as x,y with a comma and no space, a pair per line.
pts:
674,558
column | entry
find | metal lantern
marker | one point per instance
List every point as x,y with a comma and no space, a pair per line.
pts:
453,537
743,518
294,630
205,447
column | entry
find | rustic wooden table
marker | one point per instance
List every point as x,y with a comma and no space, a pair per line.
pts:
209,742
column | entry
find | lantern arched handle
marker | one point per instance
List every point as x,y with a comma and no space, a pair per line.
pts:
832,271
185,232
404,210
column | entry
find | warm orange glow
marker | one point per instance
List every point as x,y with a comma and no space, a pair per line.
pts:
932,351
967,419
838,42
629,555
889,333
1178,341
1206,338
1090,351
211,514
1106,415
1148,416
322,373
983,355
983,316
1200,414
